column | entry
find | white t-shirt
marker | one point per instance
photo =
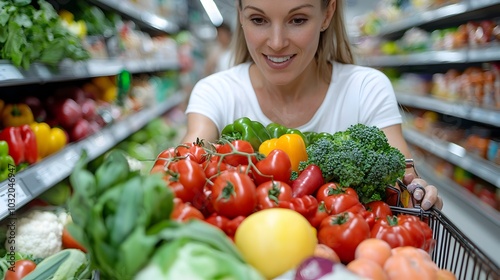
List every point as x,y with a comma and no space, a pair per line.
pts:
356,94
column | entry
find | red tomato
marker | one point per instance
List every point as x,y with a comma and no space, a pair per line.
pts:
166,155
186,178
218,221
233,225
213,168
306,205
20,269
393,232
308,181
202,201
270,193
332,188
376,210
343,202
412,224
185,211
343,232
234,194
430,242
193,151
320,215
275,166
69,242
235,153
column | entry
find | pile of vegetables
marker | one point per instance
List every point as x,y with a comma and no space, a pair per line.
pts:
122,219
226,183
34,32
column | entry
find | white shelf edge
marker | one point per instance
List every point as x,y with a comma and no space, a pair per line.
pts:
55,168
461,110
69,70
456,155
150,19
460,193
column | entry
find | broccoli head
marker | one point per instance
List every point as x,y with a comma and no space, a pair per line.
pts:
359,157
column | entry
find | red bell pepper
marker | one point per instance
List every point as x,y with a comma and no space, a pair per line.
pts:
22,143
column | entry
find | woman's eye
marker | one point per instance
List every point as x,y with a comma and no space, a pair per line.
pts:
257,21
299,21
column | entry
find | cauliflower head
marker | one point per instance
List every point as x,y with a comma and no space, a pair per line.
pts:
38,233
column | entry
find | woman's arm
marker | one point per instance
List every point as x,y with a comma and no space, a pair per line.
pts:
395,137
200,126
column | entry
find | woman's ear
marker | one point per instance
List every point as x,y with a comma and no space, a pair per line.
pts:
330,11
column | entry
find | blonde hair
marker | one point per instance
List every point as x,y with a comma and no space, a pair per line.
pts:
333,45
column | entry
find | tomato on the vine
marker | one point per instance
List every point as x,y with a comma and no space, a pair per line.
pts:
234,194
164,157
230,152
193,151
270,193
212,168
275,166
186,178
185,211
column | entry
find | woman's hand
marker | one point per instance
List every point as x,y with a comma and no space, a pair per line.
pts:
431,193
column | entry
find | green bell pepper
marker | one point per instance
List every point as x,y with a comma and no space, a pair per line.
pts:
246,129
276,130
7,164
315,136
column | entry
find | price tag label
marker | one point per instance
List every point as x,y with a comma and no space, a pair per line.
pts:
9,72
50,174
11,197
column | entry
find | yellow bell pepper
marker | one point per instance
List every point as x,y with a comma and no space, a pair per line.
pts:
49,140
292,144
16,115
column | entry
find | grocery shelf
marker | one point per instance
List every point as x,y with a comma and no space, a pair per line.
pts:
447,185
422,58
463,10
489,53
456,109
456,155
73,70
140,16
41,176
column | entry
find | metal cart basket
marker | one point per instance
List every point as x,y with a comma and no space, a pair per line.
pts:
453,250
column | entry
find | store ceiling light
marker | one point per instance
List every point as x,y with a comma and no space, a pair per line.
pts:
212,11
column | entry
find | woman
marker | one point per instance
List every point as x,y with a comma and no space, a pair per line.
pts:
294,66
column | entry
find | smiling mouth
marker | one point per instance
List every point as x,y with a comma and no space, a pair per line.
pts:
280,59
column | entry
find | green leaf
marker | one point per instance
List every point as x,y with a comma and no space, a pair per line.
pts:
21,3
135,252
23,20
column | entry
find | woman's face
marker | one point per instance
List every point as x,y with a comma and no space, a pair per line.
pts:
282,36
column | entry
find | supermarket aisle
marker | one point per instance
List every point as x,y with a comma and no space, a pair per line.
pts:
478,229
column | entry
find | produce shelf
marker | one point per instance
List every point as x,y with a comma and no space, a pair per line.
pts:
70,70
41,176
472,55
464,10
454,189
456,155
461,110
142,17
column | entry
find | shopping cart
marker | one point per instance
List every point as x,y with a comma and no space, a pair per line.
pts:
452,250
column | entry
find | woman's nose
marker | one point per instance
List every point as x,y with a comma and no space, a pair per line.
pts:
277,38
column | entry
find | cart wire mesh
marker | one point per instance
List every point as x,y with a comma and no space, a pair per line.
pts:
453,250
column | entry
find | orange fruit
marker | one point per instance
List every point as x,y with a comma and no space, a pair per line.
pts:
367,268
374,249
